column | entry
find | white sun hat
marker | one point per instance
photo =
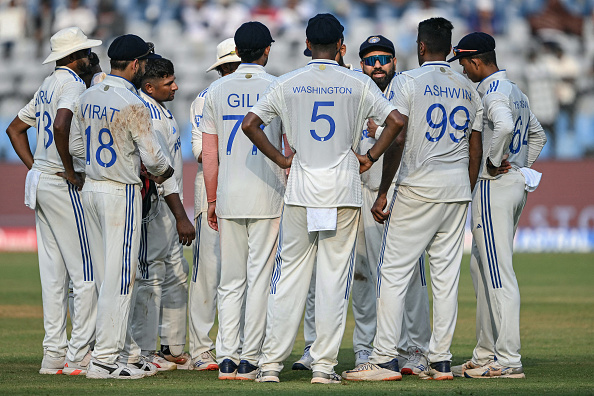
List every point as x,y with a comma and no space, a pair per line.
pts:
68,41
225,54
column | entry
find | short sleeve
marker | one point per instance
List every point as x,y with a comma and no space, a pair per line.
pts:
69,95
270,104
402,94
207,123
27,113
375,105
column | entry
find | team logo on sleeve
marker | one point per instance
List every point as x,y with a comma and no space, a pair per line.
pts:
373,40
197,119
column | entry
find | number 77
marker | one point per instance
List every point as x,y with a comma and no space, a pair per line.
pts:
238,120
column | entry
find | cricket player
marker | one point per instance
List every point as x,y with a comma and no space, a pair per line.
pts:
509,130
323,107
113,132
378,61
52,190
442,151
244,191
206,271
160,296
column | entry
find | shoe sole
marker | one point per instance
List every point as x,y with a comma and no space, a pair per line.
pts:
299,366
210,367
106,376
406,371
511,376
324,381
393,378
50,371
442,378
227,377
242,378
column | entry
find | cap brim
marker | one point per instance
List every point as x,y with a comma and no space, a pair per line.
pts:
54,56
453,58
227,59
152,56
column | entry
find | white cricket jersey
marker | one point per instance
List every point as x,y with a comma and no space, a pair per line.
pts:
442,108
509,127
112,131
249,184
196,109
323,107
168,133
373,176
59,90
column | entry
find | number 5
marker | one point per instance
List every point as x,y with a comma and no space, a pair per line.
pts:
315,117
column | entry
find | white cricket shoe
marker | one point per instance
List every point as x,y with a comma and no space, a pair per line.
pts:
362,357
305,362
145,366
161,363
416,362
267,376
206,361
183,361
437,371
495,370
117,370
77,368
323,378
459,370
374,372
51,365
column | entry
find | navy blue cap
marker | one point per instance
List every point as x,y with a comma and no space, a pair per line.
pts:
252,35
473,44
129,47
376,43
324,29
307,51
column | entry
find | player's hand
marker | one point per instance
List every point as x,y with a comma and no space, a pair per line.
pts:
364,162
77,179
371,128
286,163
212,216
377,210
185,230
503,168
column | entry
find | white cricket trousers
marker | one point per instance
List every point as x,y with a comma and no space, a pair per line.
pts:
413,227
416,326
63,251
160,293
496,209
206,273
113,218
333,254
247,258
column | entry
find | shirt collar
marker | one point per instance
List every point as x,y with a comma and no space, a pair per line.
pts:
484,84
322,62
250,68
152,101
436,63
118,81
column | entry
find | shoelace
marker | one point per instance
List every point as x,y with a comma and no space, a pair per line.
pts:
415,356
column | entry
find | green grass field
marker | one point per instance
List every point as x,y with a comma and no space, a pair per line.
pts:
557,341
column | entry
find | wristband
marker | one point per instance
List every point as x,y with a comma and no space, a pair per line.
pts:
370,157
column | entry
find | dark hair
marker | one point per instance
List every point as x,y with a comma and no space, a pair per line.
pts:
119,64
436,33
325,48
250,55
157,69
488,58
93,59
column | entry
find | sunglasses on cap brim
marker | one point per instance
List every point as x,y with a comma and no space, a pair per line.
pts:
382,59
457,51
151,50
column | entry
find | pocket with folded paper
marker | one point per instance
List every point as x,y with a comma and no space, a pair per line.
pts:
321,219
532,178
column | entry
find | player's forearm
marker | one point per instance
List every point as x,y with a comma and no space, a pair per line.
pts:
210,165
503,131
17,133
197,144
174,203
394,125
475,157
62,137
251,128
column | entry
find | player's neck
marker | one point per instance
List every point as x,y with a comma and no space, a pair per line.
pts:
431,58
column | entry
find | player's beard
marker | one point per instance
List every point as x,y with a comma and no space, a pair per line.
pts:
383,81
137,78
